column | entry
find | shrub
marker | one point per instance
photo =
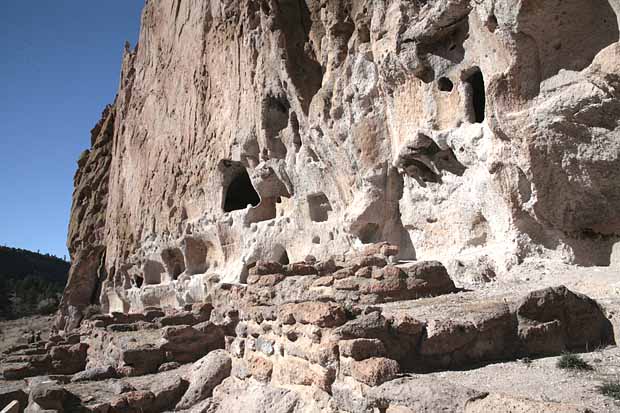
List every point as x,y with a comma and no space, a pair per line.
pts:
610,390
91,311
573,362
47,306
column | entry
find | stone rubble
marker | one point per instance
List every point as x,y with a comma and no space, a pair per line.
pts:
287,342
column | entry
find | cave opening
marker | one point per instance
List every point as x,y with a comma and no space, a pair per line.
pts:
240,193
369,233
152,272
319,207
445,85
284,259
476,80
280,255
174,262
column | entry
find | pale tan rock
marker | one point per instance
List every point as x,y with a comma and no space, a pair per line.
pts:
506,404
205,375
451,130
287,162
372,371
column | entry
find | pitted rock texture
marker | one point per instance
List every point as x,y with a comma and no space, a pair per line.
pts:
486,131
291,345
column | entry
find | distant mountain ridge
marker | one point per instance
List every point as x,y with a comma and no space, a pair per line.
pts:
17,263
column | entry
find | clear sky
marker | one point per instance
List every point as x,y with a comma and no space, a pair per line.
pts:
59,67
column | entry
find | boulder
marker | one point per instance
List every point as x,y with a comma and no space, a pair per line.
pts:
259,367
168,392
372,371
95,374
145,358
556,319
171,365
372,325
422,394
428,278
295,371
68,359
205,374
49,395
361,348
186,344
321,314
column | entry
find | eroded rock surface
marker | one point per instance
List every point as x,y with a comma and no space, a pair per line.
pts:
480,132
276,207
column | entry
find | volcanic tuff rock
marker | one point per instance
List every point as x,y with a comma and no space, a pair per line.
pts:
287,340
470,131
282,189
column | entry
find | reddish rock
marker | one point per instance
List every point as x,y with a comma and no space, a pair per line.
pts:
324,281
367,261
428,278
556,319
343,273
186,343
372,371
348,284
361,348
205,375
444,337
322,314
295,371
260,367
168,392
143,359
266,268
300,268
364,272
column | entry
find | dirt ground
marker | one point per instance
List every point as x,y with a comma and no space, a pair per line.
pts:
11,331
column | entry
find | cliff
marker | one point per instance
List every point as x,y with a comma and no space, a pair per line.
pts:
466,132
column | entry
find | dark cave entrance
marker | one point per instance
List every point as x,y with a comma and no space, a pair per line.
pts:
174,262
240,193
476,80
445,85
284,259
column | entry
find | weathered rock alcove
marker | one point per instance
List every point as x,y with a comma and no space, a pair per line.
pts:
240,193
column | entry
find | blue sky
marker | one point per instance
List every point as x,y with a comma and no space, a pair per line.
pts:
59,67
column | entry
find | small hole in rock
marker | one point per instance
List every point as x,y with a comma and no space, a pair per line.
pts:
476,80
492,23
445,85
284,260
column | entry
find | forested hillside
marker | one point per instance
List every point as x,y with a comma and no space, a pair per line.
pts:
30,283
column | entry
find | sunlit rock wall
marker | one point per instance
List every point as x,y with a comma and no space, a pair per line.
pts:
249,130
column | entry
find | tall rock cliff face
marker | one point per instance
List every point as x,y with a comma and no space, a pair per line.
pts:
277,129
